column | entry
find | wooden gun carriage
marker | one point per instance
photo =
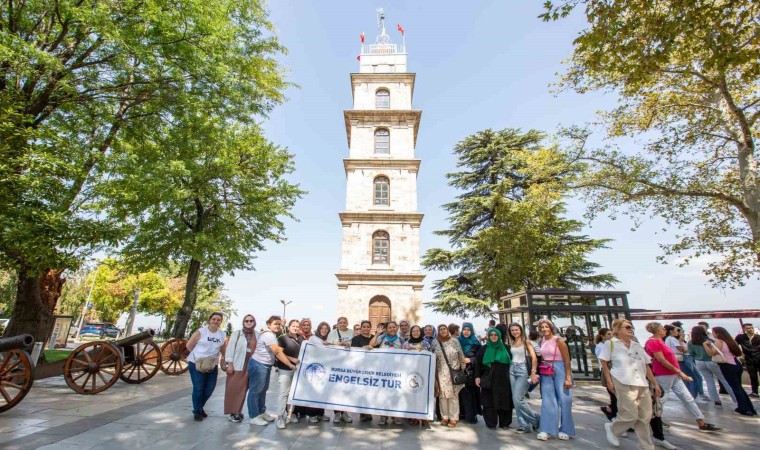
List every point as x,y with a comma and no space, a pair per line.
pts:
16,370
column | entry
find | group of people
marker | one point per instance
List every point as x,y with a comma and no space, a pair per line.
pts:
500,370
639,377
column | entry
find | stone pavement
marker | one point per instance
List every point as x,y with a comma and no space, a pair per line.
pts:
156,415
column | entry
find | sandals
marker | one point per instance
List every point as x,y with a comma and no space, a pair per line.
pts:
453,423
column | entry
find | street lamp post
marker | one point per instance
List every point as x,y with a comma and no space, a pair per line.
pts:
284,305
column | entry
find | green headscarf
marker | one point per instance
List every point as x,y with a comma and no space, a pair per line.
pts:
495,351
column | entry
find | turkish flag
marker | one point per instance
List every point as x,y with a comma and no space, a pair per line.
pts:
359,58
400,28
361,36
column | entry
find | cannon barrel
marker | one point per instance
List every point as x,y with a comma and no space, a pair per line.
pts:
135,338
23,341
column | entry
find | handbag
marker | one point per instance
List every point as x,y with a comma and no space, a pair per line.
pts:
457,376
206,364
719,357
486,381
546,368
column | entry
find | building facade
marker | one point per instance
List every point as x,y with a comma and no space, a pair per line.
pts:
379,277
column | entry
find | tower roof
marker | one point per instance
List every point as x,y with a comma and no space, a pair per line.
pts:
383,56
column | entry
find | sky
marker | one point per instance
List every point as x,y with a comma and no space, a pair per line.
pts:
479,65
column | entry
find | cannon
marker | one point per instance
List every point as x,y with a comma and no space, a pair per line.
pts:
174,357
16,370
95,366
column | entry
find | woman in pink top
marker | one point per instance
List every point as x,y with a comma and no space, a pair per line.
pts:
668,374
556,386
731,369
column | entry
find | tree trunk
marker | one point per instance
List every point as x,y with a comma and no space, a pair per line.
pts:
191,293
36,297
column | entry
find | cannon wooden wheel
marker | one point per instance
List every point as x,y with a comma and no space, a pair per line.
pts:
92,367
16,377
174,357
141,362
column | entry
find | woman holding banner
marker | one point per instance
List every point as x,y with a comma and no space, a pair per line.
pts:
290,343
449,355
391,339
318,338
342,336
492,376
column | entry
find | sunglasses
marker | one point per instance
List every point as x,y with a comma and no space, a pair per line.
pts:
628,327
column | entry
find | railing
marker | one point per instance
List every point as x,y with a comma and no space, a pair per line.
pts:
383,49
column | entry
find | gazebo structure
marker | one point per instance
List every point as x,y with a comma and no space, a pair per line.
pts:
578,315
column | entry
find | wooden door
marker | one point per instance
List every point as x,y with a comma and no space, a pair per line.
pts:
379,311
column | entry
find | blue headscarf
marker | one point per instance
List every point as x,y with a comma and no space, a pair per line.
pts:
468,343
431,339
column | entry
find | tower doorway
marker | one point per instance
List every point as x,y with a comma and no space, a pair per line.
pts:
379,310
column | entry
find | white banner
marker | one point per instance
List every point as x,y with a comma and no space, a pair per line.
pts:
387,382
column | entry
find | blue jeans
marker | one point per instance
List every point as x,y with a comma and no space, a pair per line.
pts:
203,386
518,378
689,368
697,375
258,384
556,403
712,374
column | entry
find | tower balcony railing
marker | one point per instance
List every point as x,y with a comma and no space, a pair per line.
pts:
383,49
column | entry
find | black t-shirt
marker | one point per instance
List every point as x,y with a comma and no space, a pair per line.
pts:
750,347
360,341
291,347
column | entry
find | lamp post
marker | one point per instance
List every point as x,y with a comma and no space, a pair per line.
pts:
284,305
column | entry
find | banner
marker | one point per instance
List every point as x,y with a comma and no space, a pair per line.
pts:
386,382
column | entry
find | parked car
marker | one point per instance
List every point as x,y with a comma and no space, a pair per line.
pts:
100,329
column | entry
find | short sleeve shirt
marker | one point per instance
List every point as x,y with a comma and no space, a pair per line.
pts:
673,343
655,345
629,364
263,353
291,347
337,336
360,341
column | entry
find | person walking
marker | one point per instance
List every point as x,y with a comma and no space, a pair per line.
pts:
290,343
625,368
731,368
706,366
205,345
491,366
341,336
750,345
604,335
448,355
240,347
523,372
469,396
556,385
260,369
673,339
670,377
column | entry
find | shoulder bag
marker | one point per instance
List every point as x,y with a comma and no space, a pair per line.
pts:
457,376
546,368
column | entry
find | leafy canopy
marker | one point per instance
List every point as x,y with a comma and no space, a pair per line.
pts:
686,75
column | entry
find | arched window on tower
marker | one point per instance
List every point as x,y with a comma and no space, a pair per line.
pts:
382,99
380,247
382,191
382,141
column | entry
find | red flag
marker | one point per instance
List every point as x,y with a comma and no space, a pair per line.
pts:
361,36
400,28
359,58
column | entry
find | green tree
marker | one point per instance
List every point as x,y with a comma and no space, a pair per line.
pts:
75,76
507,229
686,75
212,193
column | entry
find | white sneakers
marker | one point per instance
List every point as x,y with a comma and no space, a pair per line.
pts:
611,438
268,417
664,444
281,424
258,421
342,416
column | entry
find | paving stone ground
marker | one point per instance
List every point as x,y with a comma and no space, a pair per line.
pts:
156,415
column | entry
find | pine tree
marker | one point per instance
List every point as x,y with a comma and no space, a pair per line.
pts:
507,229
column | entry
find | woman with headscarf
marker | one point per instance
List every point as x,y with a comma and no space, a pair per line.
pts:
416,340
318,338
469,396
448,355
429,334
492,376
239,349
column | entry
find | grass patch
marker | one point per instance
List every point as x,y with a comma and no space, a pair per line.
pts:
56,355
